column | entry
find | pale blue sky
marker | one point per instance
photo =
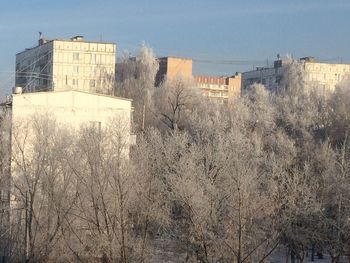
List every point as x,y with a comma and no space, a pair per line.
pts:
218,31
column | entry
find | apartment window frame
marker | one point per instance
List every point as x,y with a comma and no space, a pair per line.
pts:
75,56
76,69
92,83
4,195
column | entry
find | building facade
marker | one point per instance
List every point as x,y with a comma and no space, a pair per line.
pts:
325,76
220,89
70,110
72,64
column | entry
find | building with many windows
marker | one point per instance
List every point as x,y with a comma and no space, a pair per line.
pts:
220,89
67,64
325,76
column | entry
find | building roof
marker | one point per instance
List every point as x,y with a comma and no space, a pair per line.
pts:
77,39
73,91
159,58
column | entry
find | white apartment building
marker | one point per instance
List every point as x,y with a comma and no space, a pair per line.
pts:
67,64
70,111
325,76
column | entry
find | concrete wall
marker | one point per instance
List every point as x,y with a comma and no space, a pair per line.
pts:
179,67
72,108
170,67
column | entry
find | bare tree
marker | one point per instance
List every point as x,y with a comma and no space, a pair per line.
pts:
118,200
5,161
42,185
175,100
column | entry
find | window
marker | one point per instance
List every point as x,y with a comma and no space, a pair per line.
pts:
93,71
92,83
75,82
75,56
75,69
4,195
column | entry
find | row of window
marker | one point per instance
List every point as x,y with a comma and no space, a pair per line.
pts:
81,70
75,82
317,77
86,46
88,58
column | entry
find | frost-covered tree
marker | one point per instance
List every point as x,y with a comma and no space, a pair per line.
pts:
6,250
135,79
175,100
42,187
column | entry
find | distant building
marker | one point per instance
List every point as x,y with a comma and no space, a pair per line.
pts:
67,64
325,76
169,67
220,89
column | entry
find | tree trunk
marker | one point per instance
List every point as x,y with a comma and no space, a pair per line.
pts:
292,256
335,259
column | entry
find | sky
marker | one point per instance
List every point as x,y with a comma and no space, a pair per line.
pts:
221,36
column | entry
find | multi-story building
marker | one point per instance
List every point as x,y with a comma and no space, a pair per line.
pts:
325,76
67,64
220,89
169,67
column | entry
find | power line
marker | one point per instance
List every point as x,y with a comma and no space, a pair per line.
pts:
230,62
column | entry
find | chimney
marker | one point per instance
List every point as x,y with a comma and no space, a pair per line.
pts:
77,38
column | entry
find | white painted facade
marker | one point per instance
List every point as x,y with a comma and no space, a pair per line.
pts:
72,107
72,110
